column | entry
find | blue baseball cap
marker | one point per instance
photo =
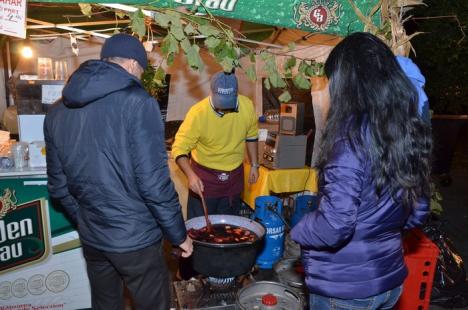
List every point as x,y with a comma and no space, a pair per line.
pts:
125,46
224,91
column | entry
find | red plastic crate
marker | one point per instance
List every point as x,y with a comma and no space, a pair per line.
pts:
420,258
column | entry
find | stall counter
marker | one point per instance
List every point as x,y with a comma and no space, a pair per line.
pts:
41,262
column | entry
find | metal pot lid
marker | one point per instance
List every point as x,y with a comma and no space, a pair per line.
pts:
290,271
268,295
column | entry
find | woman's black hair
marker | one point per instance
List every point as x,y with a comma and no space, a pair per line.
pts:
370,93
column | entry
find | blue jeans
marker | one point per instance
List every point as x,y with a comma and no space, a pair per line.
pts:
383,301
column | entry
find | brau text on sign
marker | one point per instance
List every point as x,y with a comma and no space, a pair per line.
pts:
225,5
11,232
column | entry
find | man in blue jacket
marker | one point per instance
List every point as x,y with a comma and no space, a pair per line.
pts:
107,165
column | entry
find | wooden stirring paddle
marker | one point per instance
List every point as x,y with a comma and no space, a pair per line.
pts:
205,209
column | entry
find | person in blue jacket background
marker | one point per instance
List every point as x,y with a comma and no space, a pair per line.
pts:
415,76
374,180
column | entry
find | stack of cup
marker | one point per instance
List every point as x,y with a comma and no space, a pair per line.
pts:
19,151
61,70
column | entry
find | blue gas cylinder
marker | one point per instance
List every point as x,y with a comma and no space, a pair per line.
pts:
268,210
303,204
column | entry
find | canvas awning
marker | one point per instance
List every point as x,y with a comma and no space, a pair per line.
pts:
325,16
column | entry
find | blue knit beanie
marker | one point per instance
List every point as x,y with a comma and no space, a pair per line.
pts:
125,46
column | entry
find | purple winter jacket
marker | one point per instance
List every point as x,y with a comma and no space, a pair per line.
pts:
352,244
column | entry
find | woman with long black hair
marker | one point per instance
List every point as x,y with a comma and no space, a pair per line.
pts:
374,180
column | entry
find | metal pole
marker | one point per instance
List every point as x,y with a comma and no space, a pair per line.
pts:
10,99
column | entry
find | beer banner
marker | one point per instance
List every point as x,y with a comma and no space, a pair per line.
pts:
38,271
326,16
24,236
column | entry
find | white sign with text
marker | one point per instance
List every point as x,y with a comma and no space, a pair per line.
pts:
13,18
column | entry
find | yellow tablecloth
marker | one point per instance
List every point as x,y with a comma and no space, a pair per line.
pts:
278,181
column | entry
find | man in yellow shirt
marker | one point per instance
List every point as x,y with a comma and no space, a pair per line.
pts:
216,131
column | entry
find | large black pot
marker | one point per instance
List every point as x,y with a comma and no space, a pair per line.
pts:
225,260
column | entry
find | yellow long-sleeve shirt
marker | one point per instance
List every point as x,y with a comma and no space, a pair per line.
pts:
216,142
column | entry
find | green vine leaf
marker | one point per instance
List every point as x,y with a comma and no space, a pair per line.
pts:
212,42
320,69
316,69
173,45
227,64
252,57
301,82
310,70
138,23
165,45
170,45
173,16
193,57
285,96
276,80
270,65
303,67
190,30
153,80
162,19
290,63
185,44
160,76
251,74
208,30
177,31
217,52
170,59
224,50
86,9
264,56
266,83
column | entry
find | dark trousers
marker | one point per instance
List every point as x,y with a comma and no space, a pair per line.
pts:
143,272
222,205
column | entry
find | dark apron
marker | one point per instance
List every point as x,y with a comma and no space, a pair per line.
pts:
219,183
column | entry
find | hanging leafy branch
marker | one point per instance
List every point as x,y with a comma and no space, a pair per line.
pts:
393,16
188,34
